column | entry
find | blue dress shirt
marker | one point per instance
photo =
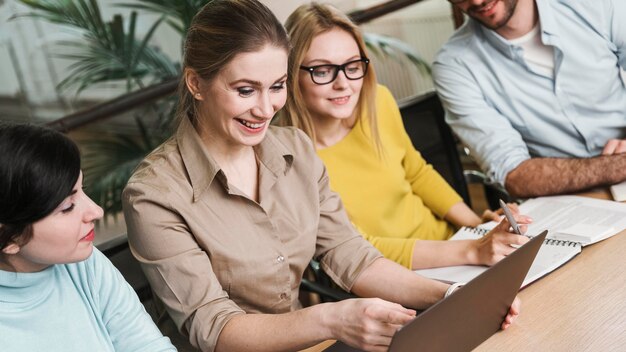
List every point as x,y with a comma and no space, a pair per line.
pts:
506,112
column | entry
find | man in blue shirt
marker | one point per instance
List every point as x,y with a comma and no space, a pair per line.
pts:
533,88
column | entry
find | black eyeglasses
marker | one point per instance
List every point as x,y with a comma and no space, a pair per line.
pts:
324,74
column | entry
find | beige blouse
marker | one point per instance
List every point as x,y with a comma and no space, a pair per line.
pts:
210,252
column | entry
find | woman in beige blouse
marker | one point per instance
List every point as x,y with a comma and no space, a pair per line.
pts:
226,215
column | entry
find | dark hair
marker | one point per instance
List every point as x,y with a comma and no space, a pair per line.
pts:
38,169
219,31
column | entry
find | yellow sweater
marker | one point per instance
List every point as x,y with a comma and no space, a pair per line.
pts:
393,200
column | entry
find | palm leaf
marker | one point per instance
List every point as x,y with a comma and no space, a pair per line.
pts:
80,14
108,161
108,51
180,12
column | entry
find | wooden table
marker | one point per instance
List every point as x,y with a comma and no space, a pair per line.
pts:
579,307
320,347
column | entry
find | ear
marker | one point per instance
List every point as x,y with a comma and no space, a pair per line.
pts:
192,80
11,248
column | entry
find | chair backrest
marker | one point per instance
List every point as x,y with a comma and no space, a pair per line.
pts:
323,285
424,121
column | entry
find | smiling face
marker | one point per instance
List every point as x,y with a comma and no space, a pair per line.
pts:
64,236
493,14
237,106
338,99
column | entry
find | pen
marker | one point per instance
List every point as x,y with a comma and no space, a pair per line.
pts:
510,218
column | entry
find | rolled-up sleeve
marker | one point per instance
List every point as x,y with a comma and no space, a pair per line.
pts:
493,142
179,271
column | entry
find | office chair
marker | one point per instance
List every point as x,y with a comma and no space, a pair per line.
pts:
424,121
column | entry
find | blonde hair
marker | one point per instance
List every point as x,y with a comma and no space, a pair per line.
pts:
304,24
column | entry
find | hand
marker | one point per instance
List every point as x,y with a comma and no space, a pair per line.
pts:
614,146
367,323
499,242
491,215
513,313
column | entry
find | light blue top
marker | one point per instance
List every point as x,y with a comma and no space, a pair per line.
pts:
507,113
86,306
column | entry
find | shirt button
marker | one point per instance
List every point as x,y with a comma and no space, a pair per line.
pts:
280,259
283,295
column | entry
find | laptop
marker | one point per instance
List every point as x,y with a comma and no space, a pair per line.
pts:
471,315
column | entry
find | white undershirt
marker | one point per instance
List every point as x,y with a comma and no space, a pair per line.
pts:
537,55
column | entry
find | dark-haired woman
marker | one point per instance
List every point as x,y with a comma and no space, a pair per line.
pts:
227,214
58,293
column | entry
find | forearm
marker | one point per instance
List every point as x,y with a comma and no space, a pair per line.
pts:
275,332
393,282
546,176
461,215
432,254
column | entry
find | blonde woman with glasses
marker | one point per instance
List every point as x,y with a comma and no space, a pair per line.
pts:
397,200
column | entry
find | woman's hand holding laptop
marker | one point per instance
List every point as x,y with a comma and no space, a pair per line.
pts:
370,323
367,323
513,313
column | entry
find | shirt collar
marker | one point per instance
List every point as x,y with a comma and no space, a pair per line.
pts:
501,44
274,154
202,168
28,287
546,18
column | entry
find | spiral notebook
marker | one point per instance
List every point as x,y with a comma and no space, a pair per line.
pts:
573,218
552,254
